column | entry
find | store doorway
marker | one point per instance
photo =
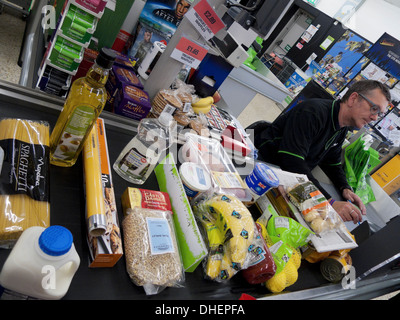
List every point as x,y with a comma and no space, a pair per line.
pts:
290,33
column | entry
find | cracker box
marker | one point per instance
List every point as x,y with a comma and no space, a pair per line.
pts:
119,75
143,198
106,250
132,102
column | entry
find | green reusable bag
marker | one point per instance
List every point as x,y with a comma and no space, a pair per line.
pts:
356,167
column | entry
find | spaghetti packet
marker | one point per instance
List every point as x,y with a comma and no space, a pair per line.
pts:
24,178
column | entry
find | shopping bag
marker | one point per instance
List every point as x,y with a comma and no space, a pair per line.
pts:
356,166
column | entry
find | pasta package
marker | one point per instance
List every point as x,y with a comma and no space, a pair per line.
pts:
24,178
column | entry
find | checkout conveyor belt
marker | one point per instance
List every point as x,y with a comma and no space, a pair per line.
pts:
68,209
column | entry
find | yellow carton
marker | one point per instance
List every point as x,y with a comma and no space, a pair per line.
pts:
388,176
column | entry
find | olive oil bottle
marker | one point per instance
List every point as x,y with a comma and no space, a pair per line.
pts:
82,107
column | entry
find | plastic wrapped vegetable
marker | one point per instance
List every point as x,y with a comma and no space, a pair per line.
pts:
288,230
315,208
287,260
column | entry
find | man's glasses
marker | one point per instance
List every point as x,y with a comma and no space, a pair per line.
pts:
375,109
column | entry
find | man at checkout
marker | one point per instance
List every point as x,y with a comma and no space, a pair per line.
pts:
312,133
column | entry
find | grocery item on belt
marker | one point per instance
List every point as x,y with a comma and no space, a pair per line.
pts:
152,255
95,207
263,269
210,154
316,210
104,250
195,178
132,102
24,179
335,266
232,237
166,99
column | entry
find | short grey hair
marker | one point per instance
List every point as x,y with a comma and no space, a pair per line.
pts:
365,86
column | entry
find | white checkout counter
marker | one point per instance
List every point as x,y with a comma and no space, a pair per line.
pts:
243,83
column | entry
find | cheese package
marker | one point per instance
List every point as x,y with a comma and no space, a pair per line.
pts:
211,155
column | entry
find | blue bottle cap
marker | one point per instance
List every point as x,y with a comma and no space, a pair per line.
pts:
55,240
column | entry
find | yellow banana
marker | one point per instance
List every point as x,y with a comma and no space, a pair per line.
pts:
236,223
215,239
227,271
203,102
202,110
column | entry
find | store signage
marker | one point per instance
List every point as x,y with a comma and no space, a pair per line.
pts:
189,52
204,19
314,3
385,53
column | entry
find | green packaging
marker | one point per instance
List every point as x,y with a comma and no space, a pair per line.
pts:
191,244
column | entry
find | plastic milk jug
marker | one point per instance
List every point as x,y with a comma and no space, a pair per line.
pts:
41,264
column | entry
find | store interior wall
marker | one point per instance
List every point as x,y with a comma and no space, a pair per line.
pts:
371,20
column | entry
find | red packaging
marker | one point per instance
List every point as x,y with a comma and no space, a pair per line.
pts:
143,198
263,270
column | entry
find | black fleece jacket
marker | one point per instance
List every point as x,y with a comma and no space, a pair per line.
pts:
304,137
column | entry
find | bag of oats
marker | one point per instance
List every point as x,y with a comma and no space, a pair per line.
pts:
152,255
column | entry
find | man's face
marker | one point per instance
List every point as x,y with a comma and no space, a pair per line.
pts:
365,105
147,36
181,8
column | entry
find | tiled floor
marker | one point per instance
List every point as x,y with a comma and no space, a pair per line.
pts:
11,35
260,108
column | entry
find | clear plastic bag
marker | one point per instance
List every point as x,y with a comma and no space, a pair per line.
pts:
231,234
152,254
24,179
315,208
211,155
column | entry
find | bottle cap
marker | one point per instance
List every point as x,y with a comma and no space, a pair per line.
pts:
165,118
106,58
55,240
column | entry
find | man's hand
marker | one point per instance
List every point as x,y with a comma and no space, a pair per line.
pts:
351,210
347,211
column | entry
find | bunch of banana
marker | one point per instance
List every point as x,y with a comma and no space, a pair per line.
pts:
235,222
203,105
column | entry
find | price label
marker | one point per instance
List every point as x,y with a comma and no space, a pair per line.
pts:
204,19
189,52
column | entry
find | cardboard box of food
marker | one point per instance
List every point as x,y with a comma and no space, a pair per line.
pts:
191,243
105,250
132,102
143,198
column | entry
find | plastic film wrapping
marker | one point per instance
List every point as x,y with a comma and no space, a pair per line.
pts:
24,178
231,234
152,254
95,208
